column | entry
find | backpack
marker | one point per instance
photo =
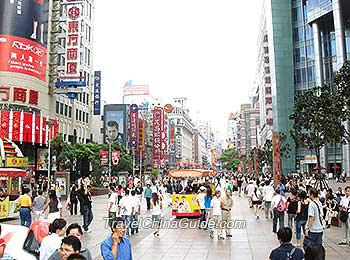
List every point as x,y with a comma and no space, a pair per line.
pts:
281,206
290,254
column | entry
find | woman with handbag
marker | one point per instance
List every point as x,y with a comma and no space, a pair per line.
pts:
344,207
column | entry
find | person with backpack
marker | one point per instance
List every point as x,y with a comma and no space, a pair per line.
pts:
278,207
314,225
286,250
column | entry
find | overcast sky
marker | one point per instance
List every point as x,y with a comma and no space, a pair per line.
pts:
204,50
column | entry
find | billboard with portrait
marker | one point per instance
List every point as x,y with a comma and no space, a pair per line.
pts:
115,123
23,37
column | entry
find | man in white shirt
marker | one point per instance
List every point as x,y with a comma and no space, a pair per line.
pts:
345,205
268,195
278,207
134,224
126,209
314,227
200,199
250,189
215,215
112,205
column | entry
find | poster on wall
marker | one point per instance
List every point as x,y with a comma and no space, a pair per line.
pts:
23,37
42,159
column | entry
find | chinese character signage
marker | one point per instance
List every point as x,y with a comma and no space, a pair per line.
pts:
16,161
159,136
134,121
19,94
97,93
104,157
141,147
115,157
276,157
73,40
23,37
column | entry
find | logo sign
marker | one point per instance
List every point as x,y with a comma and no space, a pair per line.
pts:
104,157
73,41
16,161
134,122
115,157
97,93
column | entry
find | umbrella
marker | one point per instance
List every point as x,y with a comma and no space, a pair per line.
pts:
335,167
319,168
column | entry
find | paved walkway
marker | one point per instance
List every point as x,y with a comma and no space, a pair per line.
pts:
255,241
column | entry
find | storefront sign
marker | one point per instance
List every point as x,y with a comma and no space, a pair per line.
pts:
97,93
16,161
19,94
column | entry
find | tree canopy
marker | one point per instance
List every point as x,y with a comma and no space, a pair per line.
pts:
229,159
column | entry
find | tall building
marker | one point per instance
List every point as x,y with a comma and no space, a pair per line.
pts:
74,115
249,124
308,40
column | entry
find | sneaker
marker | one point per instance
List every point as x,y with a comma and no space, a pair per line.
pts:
211,235
88,231
220,238
343,242
257,217
229,235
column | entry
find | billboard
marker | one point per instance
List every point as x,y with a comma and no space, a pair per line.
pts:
23,37
115,123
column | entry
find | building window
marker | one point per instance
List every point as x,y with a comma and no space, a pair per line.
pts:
65,110
266,50
76,114
267,80
70,112
61,108
80,115
87,117
87,98
268,90
267,70
266,59
57,107
83,97
268,100
266,39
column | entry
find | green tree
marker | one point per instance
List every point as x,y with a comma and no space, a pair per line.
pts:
317,119
229,159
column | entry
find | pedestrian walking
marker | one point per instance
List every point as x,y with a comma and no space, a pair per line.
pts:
112,205
38,206
134,219
286,250
73,200
278,207
54,206
87,209
257,197
344,207
148,195
117,246
156,206
201,203
314,226
268,195
301,215
126,210
226,206
215,216
292,206
25,205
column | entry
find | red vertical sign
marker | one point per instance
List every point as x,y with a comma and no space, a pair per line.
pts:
276,157
159,135
134,122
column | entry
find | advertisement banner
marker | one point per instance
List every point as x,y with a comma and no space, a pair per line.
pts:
23,37
134,121
42,161
115,157
16,161
276,157
115,123
104,157
4,208
186,203
158,135
73,40
97,93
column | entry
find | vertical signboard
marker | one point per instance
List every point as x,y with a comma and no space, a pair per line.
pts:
159,136
23,37
73,40
141,147
276,157
115,123
256,164
134,122
104,157
97,93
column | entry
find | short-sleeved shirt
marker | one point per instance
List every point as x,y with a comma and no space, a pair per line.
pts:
216,205
282,251
315,208
114,200
25,201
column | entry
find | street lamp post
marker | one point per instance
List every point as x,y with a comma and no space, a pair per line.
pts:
140,161
110,160
49,124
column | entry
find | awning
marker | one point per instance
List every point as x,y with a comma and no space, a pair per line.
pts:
194,173
12,172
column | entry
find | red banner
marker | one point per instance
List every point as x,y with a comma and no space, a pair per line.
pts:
22,56
159,135
276,157
5,123
250,167
115,157
134,122
256,165
104,157
16,116
27,127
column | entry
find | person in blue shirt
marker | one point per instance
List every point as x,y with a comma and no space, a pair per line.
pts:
148,195
117,246
286,250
